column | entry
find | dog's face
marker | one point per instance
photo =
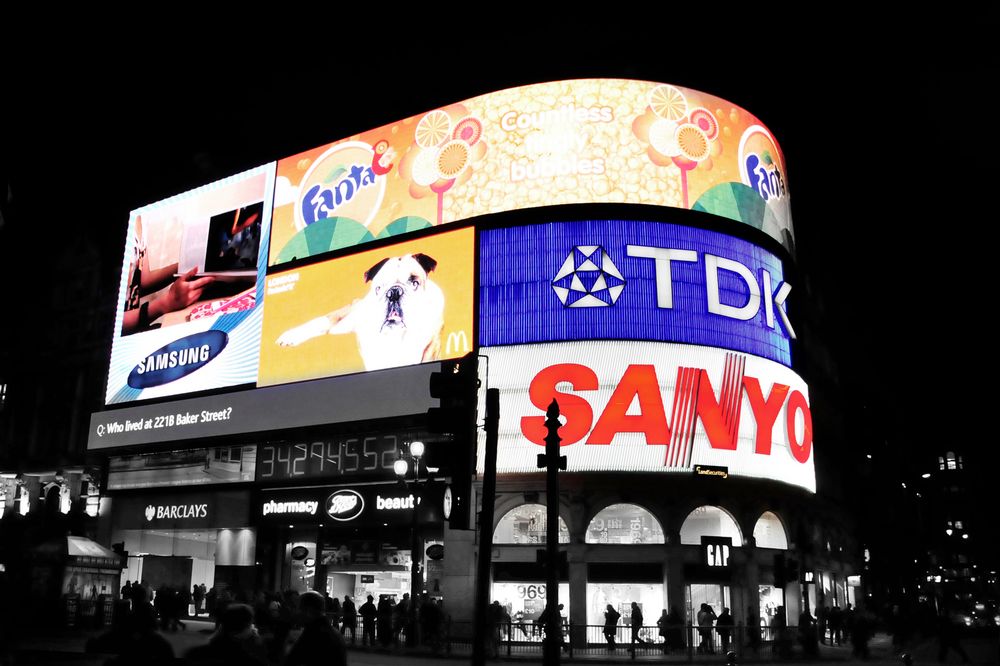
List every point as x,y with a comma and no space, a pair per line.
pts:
396,284
399,320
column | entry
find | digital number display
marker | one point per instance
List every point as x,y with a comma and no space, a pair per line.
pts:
359,455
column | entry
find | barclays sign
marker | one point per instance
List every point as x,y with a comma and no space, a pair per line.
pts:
632,280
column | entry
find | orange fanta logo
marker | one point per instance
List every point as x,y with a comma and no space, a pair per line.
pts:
761,164
345,181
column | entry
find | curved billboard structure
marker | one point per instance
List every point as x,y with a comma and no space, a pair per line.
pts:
565,142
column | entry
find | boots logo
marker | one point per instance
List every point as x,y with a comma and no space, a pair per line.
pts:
588,279
344,505
150,512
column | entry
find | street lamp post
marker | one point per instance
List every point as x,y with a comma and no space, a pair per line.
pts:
401,467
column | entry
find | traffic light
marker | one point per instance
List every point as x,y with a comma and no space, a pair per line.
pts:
457,388
792,571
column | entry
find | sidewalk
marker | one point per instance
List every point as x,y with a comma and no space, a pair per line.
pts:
68,646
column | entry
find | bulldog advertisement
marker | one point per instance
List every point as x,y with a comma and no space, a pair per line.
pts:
399,305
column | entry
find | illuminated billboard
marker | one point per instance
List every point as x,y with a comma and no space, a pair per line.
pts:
631,280
399,305
564,142
653,407
189,306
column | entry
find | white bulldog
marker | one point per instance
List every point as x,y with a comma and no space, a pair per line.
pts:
397,323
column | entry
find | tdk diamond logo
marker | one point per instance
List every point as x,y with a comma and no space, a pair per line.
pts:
588,279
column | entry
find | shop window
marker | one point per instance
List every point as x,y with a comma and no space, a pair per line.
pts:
624,524
950,460
941,462
769,532
709,521
525,524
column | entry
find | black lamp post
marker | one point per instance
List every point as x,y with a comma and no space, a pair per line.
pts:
401,467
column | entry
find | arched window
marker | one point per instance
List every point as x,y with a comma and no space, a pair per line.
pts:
950,458
769,532
709,521
526,524
624,523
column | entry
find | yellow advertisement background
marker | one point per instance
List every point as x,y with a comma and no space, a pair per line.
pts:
611,126
322,288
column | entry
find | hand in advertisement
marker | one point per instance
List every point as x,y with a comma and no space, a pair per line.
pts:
184,291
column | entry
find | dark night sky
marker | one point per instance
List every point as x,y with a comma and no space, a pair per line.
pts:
884,129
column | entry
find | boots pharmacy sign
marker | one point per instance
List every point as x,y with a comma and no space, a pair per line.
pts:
646,406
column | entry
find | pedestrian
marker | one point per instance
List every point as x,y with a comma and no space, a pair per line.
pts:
807,634
753,629
779,632
705,618
861,632
494,619
822,613
319,644
663,622
675,630
724,626
948,638
611,617
236,641
126,592
384,620
431,619
368,613
635,623
835,618
350,615
198,594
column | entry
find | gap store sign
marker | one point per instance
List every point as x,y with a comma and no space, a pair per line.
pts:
632,280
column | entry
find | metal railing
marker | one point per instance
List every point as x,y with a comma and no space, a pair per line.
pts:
672,643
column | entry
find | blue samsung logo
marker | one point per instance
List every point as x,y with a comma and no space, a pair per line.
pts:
632,280
177,359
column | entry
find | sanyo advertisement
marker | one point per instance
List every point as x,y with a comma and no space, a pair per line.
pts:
653,407
190,299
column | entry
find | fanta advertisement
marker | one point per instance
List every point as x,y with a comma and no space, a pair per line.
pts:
565,142
653,407
190,300
632,280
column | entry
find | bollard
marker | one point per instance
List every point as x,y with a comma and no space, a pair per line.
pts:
731,658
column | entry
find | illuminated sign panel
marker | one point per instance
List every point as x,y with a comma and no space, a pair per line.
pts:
190,298
220,464
371,395
627,280
653,407
403,304
564,142
350,455
371,505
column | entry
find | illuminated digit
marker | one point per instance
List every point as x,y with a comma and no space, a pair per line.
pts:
296,470
371,454
284,448
390,445
267,462
351,452
333,455
316,450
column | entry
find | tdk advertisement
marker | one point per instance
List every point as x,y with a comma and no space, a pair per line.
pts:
631,280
